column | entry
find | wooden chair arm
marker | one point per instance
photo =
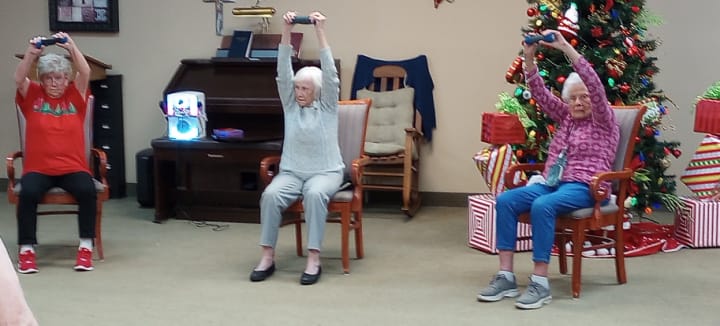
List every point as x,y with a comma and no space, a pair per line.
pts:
413,132
600,193
520,167
357,169
596,188
269,168
10,165
100,163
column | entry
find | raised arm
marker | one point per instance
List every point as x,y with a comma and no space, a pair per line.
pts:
82,77
330,93
553,106
22,82
284,64
602,112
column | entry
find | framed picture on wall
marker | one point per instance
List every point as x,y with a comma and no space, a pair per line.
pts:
83,15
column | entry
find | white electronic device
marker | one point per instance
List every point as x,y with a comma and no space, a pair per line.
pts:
186,115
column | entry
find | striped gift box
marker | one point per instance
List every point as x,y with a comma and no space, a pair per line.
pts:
697,223
481,225
702,174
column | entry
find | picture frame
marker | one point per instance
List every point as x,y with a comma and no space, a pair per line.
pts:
83,16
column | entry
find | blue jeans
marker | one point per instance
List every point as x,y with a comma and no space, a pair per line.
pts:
544,204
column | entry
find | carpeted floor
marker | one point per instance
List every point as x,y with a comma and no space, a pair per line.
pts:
417,272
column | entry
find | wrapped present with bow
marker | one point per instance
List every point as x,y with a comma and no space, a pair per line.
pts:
481,226
702,175
707,111
502,128
697,224
493,162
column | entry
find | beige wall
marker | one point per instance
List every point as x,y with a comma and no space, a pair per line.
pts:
469,43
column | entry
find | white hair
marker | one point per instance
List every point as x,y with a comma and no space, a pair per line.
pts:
313,74
51,63
572,79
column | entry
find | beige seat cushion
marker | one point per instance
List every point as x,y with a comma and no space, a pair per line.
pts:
391,112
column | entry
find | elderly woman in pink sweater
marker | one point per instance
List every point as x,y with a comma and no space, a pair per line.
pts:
584,144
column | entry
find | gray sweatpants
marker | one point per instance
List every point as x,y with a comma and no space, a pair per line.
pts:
285,188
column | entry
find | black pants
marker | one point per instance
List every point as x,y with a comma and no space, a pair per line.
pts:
34,186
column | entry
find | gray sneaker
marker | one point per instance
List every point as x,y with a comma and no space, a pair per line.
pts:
535,296
499,288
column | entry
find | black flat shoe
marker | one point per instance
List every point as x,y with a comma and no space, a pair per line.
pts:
310,279
257,276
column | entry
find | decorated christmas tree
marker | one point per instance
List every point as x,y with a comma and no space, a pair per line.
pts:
612,36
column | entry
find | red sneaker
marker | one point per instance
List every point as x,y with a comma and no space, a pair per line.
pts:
84,260
26,262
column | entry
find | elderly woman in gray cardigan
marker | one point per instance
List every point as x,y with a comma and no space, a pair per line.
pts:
311,164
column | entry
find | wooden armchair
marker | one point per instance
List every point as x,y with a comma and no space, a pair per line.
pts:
58,196
574,227
347,203
393,137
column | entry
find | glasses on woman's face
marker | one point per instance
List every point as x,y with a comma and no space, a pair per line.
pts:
53,78
582,97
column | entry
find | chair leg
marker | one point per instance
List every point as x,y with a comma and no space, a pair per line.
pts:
620,256
561,240
578,237
411,193
298,239
98,231
359,249
345,239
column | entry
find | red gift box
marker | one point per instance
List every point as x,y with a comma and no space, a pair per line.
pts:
502,128
707,116
481,225
697,223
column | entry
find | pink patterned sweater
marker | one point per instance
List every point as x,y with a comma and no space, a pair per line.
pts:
592,142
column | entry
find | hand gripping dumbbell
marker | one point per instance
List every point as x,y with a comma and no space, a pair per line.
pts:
303,20
530,39
50,41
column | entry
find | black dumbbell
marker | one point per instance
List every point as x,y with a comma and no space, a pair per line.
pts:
303,20
50,41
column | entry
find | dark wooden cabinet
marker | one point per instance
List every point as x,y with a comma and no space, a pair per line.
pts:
212,180
108,129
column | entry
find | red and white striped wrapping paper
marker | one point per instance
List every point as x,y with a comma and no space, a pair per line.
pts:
702,175
481,225
697,223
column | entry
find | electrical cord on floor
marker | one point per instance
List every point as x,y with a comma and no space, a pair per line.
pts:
213,226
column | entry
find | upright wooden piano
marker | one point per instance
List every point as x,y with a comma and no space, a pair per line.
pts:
209,180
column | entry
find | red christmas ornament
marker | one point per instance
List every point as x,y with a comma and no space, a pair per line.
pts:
677,153
608,5
637,162
560,79
540,56
635,9
596,31
625,88
519,153
634,189
666,150
637,139
532,11
649,131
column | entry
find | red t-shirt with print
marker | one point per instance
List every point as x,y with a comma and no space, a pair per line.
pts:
54,131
